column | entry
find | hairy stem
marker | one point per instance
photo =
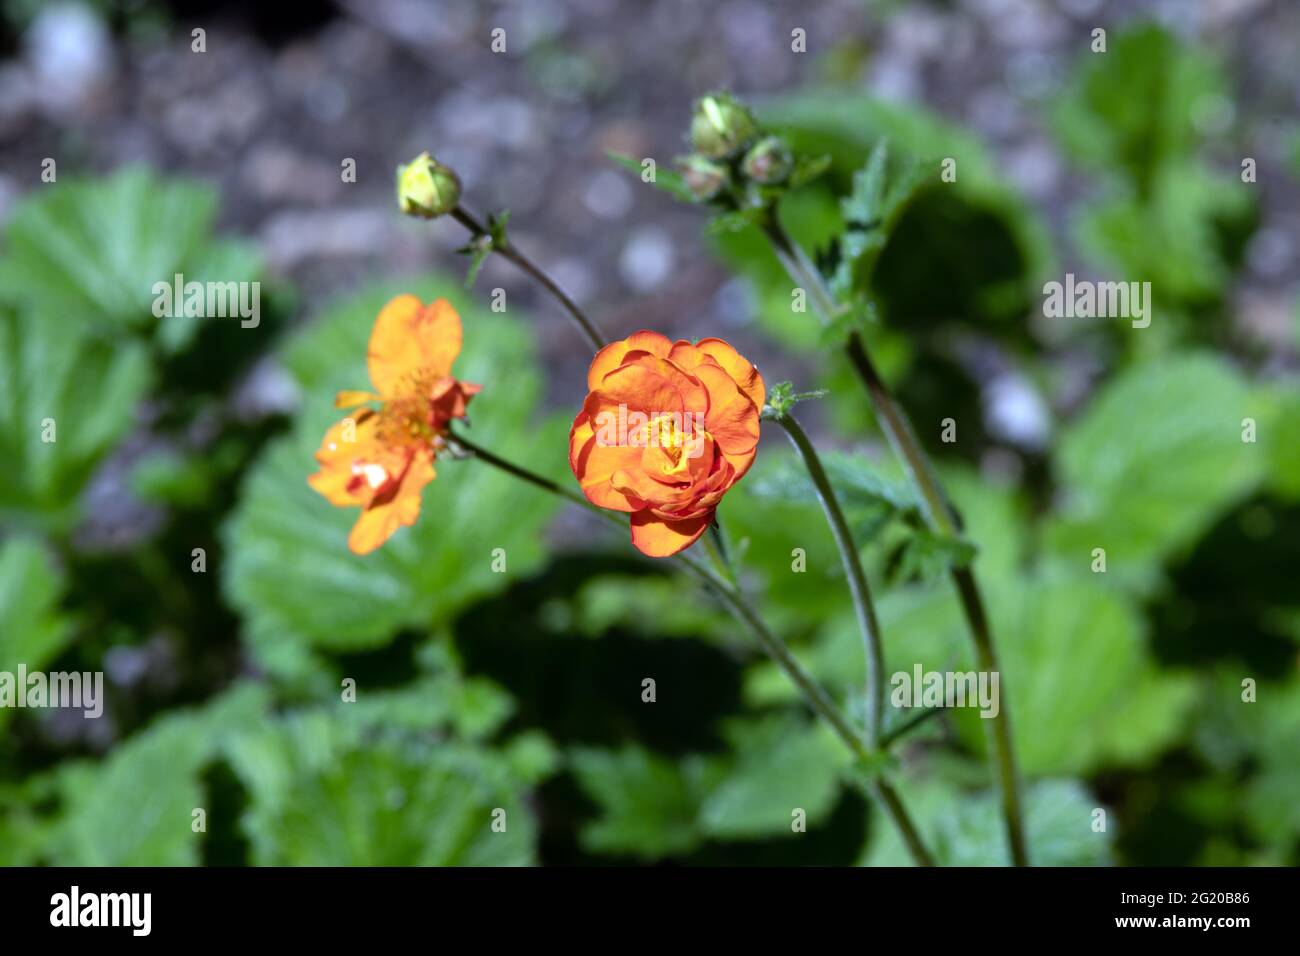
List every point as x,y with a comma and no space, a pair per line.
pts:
939,514
814,694
508,250
868,625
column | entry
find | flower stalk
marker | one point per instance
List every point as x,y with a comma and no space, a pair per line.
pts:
502,246
938,513
864,609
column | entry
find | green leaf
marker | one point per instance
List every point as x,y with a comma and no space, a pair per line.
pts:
478,249
1082,687
786,541
1163,215
496,225
1279,433
1154,460
156,774
1171,237
325,793
926,554
858,483
920,621
32,630
862,207
649,805
782,763
65,399
287,566
963,829
856,316
869,499
86,253
531,757
669,180
808,168
653,807
483,245
848,127
474,708
735,220
1252,743
26,822
871,211
1137,107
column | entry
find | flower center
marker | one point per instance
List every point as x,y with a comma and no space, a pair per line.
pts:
405,421
666,432
407,418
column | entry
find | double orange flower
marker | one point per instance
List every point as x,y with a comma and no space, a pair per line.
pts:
667,428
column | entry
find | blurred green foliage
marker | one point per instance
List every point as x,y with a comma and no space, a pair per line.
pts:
1162,213
520,694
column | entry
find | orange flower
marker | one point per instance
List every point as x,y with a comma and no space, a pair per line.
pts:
381,459
666,429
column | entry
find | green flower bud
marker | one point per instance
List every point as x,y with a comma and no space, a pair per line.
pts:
426,188
722,126
704,178
768,161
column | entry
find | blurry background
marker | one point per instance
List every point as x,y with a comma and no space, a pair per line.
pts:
478,690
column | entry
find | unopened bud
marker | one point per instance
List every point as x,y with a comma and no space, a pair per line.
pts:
768,161
704,178
722,126
426,188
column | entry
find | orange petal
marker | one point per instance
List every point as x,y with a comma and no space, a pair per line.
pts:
410,341
732,418
694,395
738,367
685,355
740,462
382,518
594,463
703,500
351,399
710,492
637,388
611,356
337,454
638,486
658,538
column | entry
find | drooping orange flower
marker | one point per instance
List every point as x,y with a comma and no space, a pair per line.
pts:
380,459
665,431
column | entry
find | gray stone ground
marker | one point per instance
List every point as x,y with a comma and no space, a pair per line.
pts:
383,79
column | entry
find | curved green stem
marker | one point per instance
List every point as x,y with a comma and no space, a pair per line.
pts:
508,250
813,694
939,514
863,607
